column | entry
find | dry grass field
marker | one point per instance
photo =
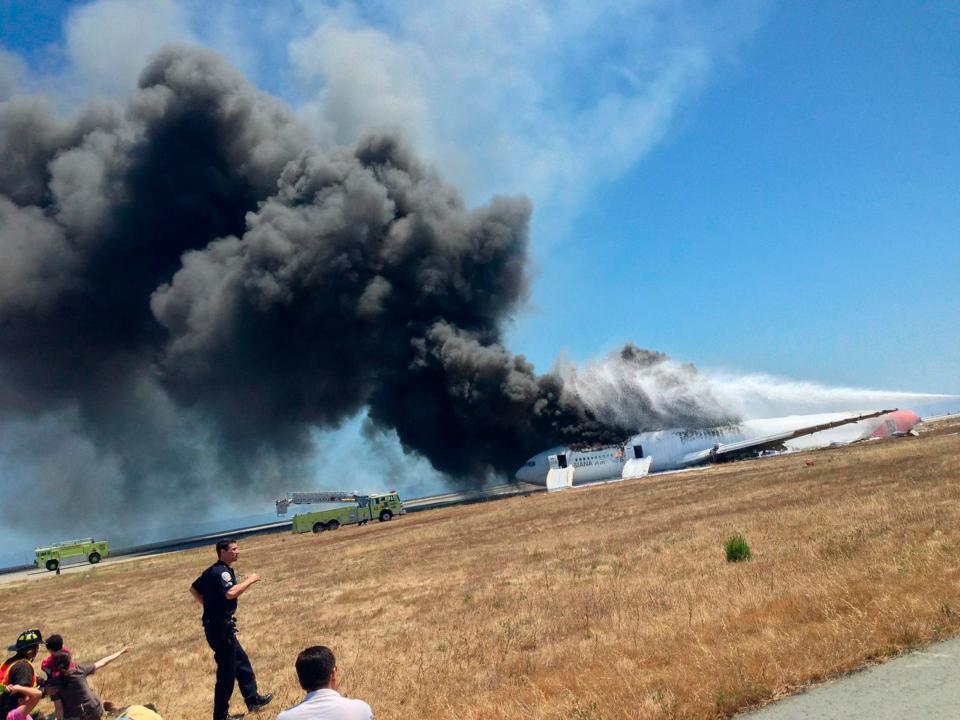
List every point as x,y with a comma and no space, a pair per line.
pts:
607,602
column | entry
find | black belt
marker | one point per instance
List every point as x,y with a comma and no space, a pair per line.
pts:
227,622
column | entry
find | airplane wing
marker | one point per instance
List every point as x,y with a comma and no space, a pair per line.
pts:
749,448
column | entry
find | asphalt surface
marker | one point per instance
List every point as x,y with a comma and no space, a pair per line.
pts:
75,565
922,685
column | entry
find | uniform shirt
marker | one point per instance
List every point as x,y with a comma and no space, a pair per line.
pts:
20,672
327,704
213,584
78,698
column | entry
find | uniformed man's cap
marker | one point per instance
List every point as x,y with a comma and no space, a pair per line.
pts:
27,639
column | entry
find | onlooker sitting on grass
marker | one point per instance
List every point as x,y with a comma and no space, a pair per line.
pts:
139,712
18,670
54,644
26,698
68,684
317,673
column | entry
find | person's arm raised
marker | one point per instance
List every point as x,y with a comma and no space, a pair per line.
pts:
33,696
241,587
110,658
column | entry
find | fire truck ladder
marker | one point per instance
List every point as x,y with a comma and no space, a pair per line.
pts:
320,496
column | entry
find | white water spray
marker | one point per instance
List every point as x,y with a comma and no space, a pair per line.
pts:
760,395
609,387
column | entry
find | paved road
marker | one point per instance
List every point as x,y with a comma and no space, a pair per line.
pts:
924,685
74,567
158,548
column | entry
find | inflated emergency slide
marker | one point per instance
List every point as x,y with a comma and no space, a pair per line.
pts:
635,468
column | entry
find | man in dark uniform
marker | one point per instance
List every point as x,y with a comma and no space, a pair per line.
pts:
217,590
18,669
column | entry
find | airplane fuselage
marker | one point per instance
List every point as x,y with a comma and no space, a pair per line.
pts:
683,447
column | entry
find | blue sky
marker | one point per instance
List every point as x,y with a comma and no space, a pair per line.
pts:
771,187
801,217
770,191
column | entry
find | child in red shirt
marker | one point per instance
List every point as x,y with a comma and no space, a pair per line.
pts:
54,644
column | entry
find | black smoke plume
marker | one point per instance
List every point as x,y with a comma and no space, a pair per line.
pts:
189,276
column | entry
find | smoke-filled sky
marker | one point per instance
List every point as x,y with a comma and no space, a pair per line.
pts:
244,251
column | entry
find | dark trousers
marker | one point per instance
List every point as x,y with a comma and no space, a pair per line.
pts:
232,664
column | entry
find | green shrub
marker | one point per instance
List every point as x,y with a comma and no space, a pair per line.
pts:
736,548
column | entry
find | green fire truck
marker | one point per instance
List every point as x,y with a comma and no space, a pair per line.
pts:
361,509
51,557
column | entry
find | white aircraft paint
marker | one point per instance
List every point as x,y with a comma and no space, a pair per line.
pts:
680,448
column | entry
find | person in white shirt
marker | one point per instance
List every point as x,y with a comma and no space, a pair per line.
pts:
317,673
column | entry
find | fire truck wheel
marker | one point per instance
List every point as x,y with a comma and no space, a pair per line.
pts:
52,565
319,527
333,525
94,558
385,515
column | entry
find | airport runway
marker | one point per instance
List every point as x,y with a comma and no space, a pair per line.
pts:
923,685
143,551
139,552
40,573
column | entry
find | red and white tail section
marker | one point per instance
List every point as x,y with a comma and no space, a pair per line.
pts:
894,424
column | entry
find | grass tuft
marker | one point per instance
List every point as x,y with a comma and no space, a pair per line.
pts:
736,548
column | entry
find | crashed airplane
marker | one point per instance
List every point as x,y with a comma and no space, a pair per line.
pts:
661,450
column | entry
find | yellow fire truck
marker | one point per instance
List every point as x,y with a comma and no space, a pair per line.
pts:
51,557
357,509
